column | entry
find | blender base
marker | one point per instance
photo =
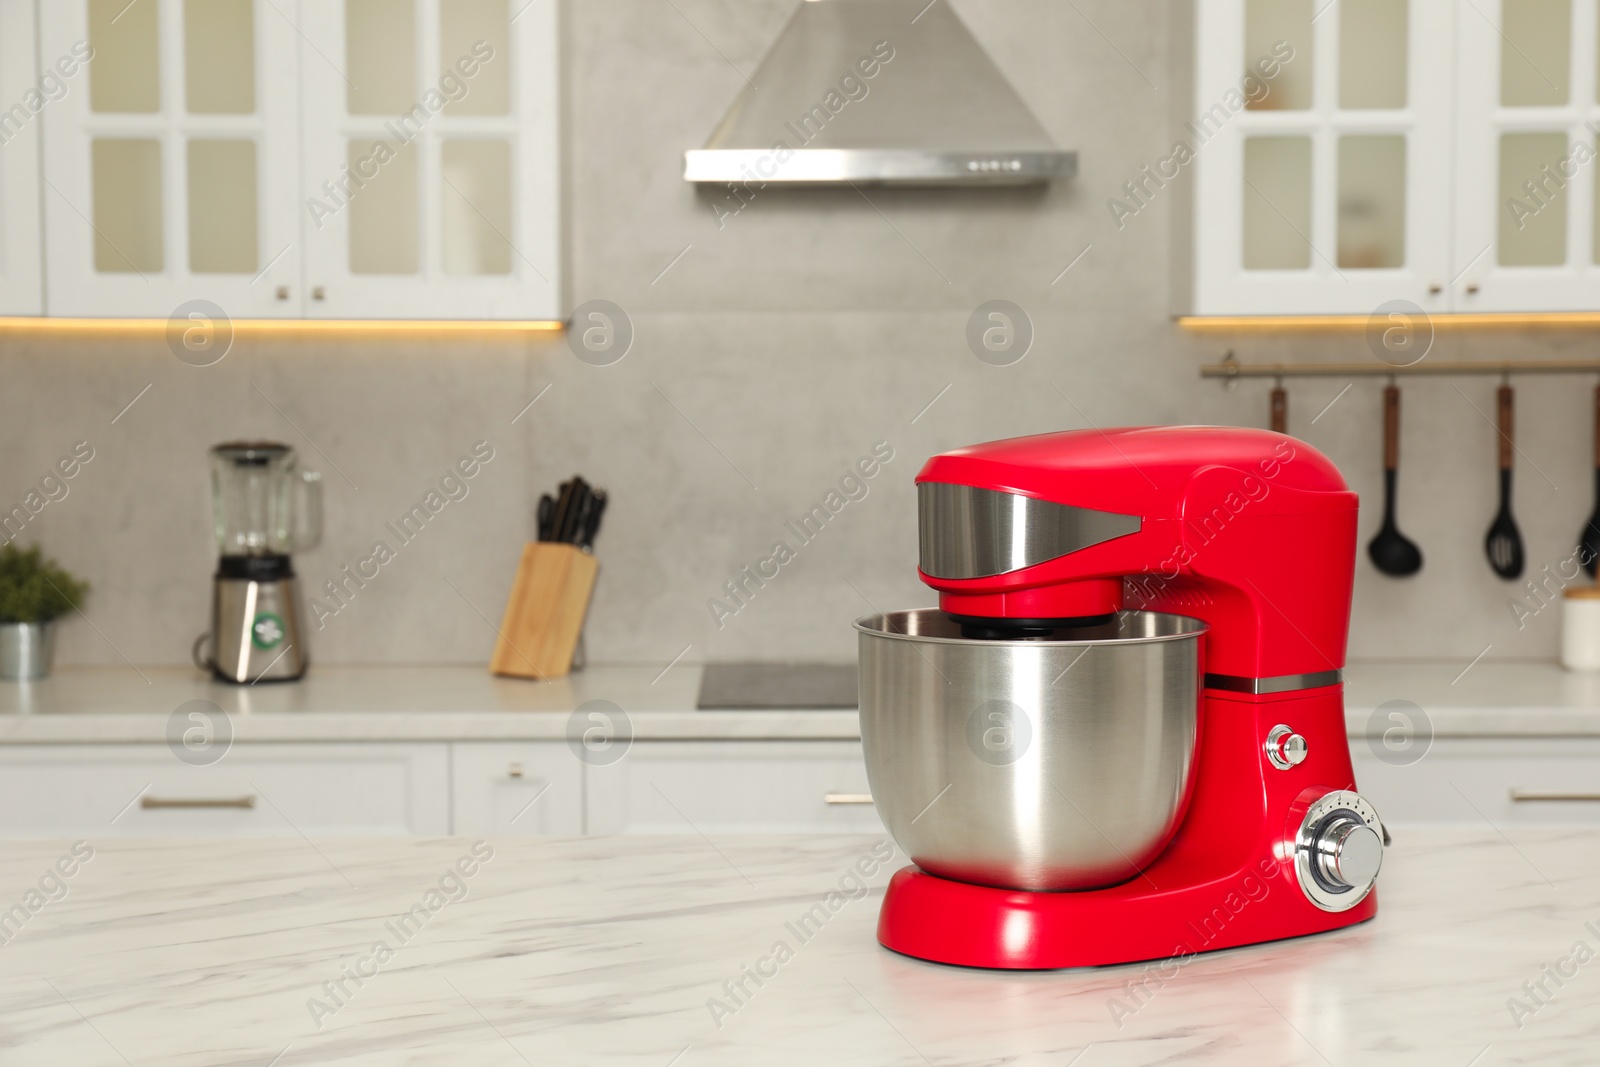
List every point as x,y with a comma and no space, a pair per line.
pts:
952,922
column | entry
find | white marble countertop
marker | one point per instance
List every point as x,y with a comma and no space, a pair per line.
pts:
389,703
453,703
608,950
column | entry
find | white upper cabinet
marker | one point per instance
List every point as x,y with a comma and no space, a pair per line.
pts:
1347,153
1526,170
169,167
1320,138
22,99
431,159
352,159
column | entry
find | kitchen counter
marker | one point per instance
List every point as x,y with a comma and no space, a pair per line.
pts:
389,703
607,950
454,703
111,704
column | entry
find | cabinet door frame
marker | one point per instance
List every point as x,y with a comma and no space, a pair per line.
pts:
74,286
711,787
21,283
61,790
1485,285
515,789
1218,283
532,288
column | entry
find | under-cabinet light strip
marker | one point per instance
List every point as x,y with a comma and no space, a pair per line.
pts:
35,324
1442,321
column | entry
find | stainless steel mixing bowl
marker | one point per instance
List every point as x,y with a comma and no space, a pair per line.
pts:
1030,764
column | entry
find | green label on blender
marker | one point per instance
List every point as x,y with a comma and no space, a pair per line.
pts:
267,630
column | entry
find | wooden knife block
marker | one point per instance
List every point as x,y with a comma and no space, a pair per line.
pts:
545,611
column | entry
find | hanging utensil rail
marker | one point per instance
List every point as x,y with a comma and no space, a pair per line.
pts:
1232,369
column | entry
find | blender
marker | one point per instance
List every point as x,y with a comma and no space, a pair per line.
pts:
265,506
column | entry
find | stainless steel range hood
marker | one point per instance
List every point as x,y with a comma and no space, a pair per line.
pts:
878,91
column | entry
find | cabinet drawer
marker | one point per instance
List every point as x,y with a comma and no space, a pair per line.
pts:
507,788
732,787
254,790
1506,781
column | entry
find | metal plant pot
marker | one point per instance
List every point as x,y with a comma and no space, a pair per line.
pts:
1030,764
26,649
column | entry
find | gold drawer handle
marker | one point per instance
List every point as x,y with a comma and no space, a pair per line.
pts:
1523,795
165,803
847,798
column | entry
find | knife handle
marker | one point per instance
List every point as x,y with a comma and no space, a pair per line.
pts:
547,511
1280,410
573,533
563,507
1507,423
591,521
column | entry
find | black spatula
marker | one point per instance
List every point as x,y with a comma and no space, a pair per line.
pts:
1589,539
1392,552
1504,542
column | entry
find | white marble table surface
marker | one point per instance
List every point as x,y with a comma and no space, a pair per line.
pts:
607,950
463,703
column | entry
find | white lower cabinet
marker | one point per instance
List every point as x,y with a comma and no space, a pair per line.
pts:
1504,781
538,788
267,790
505,788
732,787
467,788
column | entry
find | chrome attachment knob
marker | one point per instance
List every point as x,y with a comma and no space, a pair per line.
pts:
1285,748
1339,850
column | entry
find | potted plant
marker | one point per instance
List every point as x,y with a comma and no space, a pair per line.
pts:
33,591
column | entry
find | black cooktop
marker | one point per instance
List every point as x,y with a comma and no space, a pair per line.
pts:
777,686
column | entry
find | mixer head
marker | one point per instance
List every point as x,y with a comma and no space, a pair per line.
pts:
1034,536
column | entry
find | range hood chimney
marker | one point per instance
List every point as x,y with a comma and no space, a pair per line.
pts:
882,92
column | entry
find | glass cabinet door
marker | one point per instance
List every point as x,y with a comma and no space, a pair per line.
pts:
1320,138
171,160
20,291
1527,171
430,175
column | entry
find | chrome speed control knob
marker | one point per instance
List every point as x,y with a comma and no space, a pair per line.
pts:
1285,748
1349,852
1338,850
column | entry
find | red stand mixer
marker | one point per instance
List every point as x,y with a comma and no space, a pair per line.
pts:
1121,735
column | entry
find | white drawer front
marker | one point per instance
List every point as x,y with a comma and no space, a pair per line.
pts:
256,790
504,788
1504,781
732,787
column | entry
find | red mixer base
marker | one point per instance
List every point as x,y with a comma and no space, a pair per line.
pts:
944,921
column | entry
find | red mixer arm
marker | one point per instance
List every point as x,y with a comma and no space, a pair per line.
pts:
1271,573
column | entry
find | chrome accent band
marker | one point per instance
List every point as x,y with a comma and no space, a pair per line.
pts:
967,532
834,166
1283,683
